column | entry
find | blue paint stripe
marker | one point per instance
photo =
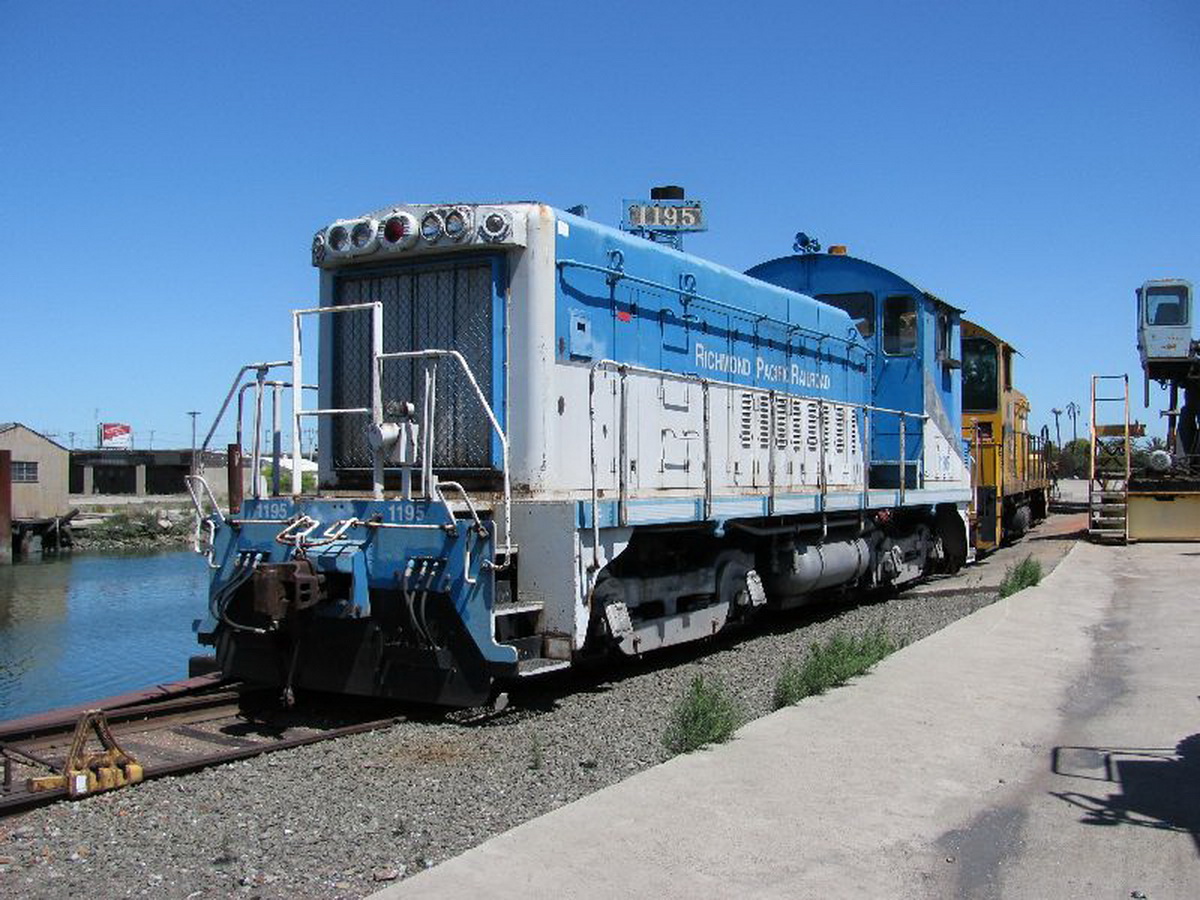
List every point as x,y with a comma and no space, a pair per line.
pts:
658,511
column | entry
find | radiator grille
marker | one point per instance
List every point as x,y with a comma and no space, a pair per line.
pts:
432,307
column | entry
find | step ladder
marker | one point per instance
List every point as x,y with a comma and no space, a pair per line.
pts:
1111,455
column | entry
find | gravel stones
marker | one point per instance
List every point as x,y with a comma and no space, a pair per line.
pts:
341,818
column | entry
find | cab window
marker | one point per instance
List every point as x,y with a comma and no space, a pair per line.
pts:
1166,305
860,306
900,325
979,375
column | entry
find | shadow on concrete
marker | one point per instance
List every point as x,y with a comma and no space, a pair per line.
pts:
1077,534
1155,787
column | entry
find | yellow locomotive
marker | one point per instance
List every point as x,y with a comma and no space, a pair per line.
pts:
1009,476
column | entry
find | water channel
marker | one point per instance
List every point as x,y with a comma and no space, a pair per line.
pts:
86,626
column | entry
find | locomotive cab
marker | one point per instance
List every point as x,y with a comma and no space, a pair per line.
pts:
1009,477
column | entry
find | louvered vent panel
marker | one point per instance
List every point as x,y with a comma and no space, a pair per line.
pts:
746,421
814,427
764,421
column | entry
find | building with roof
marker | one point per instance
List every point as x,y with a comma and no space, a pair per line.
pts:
39,472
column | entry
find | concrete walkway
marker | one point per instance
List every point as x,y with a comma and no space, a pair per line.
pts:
1046,746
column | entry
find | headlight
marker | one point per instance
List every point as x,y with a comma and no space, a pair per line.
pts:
361,235
456,224
339,238
495,226
431,227
398,231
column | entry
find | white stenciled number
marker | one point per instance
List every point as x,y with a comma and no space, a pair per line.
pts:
688,215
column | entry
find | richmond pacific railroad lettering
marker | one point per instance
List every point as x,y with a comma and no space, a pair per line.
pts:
783,373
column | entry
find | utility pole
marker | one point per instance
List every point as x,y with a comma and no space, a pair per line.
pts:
193,413
71,435
151,447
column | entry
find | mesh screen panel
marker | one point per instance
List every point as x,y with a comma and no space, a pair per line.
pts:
445,308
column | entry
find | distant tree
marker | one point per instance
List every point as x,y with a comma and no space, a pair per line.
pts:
1073,460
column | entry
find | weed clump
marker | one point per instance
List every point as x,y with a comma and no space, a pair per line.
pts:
705,715
827,665
142,524
1026,573
535,754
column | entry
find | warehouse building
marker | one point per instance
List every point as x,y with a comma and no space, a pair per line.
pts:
39,472
137,472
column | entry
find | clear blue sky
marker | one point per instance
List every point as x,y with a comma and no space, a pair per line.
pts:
164,165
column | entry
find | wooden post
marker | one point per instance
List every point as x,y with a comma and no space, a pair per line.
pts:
233,471
6,548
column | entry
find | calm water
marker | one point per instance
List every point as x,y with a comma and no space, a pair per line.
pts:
86,626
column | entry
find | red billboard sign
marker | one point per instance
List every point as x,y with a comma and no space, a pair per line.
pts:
116,435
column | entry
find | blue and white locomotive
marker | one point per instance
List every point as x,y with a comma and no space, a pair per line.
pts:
542,438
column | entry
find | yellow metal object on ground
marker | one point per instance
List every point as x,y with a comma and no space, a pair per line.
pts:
87,773
1163,516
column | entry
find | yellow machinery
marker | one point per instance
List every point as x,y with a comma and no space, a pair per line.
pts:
1009,476
1158,500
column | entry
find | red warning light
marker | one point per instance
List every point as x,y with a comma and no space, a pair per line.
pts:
394,229
624,316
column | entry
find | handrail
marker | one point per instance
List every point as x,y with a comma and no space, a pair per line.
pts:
376,409
706,383
427,467
687,296
216,517
256,452
237,380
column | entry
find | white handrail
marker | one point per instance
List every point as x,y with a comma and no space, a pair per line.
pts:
487,408
376,409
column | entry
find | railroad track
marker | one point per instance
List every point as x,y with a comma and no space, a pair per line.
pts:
169,733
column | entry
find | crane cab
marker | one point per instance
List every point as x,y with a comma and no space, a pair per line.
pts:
1164,332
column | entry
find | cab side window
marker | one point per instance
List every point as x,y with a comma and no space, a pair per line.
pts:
900,325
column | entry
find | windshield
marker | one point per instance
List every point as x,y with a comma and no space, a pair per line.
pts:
1166,305
979,374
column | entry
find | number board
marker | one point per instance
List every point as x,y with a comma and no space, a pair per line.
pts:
663,215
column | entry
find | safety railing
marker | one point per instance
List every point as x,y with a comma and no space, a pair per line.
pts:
390,441
260,384
238,389
374,411
399,434
623,370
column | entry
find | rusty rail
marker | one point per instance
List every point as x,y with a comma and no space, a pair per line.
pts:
222,715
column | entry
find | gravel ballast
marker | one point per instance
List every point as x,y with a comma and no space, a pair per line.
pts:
344,817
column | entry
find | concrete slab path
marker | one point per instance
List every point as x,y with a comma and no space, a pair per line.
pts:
1046,746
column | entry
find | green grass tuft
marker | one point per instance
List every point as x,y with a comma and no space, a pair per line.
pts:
827,665
705,715
1026,573
535,753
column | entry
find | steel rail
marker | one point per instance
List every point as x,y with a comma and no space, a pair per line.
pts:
26,745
